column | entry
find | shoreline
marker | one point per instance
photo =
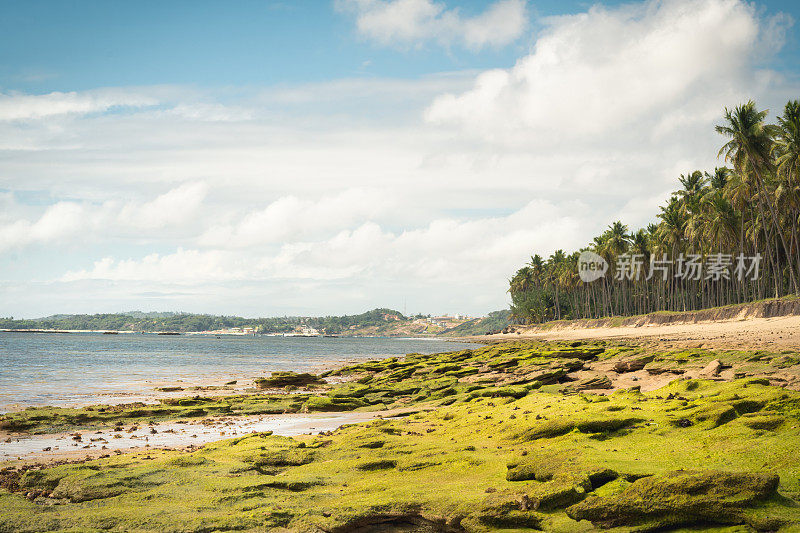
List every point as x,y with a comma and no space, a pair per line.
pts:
172,435
212,333
776,333
479,423
226,379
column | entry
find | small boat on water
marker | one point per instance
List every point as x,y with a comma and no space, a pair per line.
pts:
169,333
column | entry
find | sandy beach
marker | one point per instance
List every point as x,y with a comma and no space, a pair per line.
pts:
778,333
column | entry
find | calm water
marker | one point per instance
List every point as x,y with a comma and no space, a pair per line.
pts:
76,368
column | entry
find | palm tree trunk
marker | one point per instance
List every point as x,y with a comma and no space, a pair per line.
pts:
762,193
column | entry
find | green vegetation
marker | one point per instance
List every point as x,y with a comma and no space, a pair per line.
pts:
497,443
386,322
494,322
749,209
287,379
185,322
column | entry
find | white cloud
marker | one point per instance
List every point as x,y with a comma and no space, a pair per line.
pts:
295,218
58,221
413,22
183,266
169,209
450,251
71,222
341,195
619,71
16,106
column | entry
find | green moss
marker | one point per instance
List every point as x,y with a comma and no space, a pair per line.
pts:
679,498
764,422
494,458
606,425
321,403
381,464
546,430
282,379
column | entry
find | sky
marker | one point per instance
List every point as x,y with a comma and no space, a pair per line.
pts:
268,158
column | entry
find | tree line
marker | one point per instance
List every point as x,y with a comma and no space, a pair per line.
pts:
727,236
190,322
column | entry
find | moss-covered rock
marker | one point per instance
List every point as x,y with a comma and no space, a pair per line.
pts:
679,498
493,458
282,379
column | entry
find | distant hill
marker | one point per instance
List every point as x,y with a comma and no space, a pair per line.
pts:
494,322
382,321
377,320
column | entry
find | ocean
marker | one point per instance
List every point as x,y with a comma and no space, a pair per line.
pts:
68,369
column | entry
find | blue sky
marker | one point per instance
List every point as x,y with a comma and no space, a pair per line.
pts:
78,45
270,158
83,45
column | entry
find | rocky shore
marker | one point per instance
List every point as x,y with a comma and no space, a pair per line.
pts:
563,436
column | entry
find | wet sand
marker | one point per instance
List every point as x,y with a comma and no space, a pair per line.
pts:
97,442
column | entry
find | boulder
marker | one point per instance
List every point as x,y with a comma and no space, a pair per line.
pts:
282,379
632,364
679,498
592,383
712,369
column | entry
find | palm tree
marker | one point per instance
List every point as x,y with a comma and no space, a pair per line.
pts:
618,238
719,179
693,183
750,208
787,161
787,141
749,150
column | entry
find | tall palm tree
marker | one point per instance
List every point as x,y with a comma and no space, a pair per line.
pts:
787,162
618,238
556,277
749,148
747,209
787,141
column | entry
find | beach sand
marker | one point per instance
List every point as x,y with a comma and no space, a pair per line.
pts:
775,334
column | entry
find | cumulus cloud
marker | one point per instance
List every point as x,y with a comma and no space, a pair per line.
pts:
183,266
413,22
169,209
71,221
647,67
356,193
58,221
296,218
445,250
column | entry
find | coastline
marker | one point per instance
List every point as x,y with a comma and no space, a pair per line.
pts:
170,435
45,369
781,332
528,434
